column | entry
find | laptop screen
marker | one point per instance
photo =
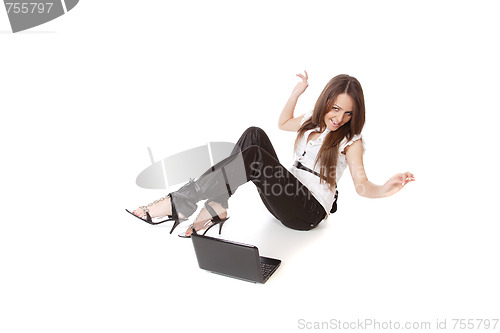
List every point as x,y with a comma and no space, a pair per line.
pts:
228,258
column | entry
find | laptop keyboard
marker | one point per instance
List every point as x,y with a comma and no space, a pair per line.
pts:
267,269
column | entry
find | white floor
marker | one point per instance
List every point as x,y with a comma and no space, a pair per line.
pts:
83,96
409,258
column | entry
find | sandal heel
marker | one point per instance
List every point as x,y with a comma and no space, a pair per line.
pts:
221,224
213,222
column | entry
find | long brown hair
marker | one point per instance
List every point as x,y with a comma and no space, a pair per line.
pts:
328,153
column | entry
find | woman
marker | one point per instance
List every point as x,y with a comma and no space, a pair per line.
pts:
329,138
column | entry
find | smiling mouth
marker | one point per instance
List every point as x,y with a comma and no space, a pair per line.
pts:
334,123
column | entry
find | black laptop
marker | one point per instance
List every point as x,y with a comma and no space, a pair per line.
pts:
233,259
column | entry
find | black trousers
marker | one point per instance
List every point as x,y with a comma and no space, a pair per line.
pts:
254,159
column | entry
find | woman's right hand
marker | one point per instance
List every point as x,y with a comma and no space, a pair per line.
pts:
301,86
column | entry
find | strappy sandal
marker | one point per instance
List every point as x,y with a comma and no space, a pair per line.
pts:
148,219
209,224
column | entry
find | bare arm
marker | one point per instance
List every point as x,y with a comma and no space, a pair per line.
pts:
286,120
365,188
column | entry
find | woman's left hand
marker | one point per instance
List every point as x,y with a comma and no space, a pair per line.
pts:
397,182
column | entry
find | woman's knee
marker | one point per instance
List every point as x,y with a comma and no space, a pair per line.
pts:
253,153
254,130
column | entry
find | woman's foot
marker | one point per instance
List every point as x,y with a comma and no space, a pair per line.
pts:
158,208
204,219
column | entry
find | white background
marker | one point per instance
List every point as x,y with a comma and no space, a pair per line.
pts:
83,96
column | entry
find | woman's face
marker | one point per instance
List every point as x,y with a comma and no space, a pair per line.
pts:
340,113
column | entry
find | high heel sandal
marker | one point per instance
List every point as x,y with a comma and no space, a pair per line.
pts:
209,224
148,219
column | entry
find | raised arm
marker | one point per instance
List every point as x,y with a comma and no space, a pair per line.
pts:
365,188
286,121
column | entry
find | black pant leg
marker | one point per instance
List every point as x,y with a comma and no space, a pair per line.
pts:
254,159
252,136
283,194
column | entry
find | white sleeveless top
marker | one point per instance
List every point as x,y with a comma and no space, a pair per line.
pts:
320,191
